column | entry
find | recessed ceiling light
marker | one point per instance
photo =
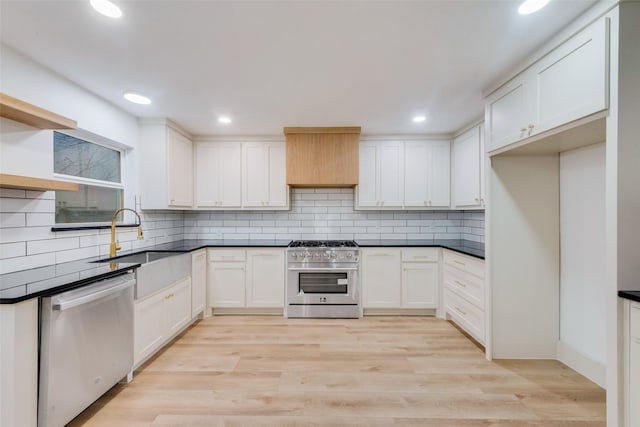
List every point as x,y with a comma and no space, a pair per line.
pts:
224,119
530,6
107,8
136,98
419,119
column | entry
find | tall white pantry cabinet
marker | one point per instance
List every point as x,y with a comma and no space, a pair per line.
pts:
580,89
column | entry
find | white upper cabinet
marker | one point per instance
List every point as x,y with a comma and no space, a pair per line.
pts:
390,173
381,174
567,84
571,81
240,175
180,163
264,171
509,112
165,167
397,174
440,172
218,175
467,169
426,168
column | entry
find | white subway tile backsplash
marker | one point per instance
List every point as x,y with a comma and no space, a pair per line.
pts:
52,245
27,205
41,219
12,250
12,193
324,213
9,265
13,219
8,235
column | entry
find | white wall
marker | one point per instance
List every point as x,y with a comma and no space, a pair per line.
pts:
582,261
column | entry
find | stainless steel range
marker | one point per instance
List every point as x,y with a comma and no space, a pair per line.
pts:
323,279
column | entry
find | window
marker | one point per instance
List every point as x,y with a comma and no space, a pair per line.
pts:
98,171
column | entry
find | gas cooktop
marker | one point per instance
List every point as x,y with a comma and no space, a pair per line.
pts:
323,244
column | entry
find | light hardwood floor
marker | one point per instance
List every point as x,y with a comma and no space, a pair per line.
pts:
377,371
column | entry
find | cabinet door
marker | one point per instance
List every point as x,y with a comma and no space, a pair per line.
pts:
508,113
198,282
634,365
367,181
467,157
571,81
265,278
218,174
180,166
381,278
256,173
226,284
391,174
207,162
278,190
149,326
439,176
420,285
178,306
417,173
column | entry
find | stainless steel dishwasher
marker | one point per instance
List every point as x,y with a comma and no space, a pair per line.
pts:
86,346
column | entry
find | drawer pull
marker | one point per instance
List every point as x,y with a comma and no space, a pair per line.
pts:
169,296
460,283
464,313
459,262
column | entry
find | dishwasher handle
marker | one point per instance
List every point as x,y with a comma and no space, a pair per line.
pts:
93,296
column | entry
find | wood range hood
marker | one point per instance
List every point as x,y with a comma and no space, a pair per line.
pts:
322,156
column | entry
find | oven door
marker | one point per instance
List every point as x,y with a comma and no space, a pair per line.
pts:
308,285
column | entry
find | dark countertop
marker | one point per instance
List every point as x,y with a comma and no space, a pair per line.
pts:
632,295
51,279
43,281
467,247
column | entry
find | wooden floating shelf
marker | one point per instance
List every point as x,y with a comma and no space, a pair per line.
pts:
37,184
29,114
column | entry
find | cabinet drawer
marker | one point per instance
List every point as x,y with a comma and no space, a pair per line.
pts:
465,314
227,255
634,321
462,262
467,285
420,255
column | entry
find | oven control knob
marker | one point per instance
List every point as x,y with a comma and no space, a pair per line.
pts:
294,255
333,255
349,255
325,256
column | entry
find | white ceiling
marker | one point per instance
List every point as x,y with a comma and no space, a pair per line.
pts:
270,64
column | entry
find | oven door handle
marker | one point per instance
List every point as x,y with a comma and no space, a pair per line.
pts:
328,270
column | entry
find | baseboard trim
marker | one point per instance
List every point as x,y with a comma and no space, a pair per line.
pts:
248,311
399,311
582,364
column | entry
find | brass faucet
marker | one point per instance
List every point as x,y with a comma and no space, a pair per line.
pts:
114,246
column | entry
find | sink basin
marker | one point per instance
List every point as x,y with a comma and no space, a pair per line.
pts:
158,269
140,258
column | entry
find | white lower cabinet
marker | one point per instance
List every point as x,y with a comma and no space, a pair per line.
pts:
381,278
19,363
464,292
198,282
400,278
159,318
246,278
265,278
633,366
